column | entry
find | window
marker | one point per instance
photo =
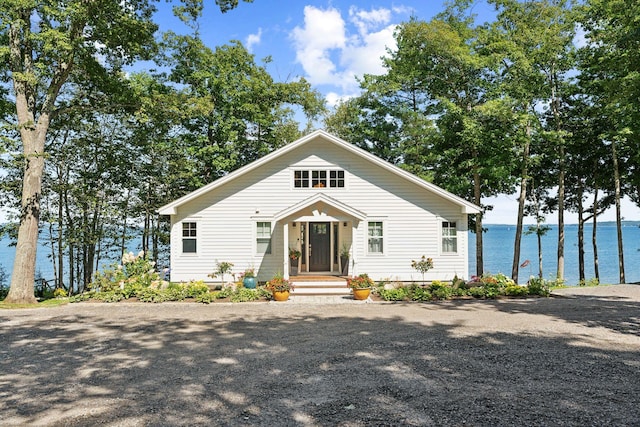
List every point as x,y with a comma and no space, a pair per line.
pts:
336,179
263,238
301,179
189,237
449,237
375,237
318,178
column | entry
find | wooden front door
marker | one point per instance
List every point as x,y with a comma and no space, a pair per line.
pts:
319,246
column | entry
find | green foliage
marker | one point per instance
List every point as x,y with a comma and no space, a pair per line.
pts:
538,286
206,297
440,290
59,293
421,294
396,294
245,295
589,283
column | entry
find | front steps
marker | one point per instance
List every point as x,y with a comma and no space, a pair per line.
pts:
319,285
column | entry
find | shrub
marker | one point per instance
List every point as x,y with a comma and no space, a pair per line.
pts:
59,293
152,295
205,298
421,294
516,290
397,294
245,295
538,286
440,290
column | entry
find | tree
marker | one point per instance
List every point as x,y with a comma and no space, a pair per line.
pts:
532,42
43,43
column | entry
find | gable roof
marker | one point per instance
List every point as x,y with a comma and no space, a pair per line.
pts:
468,207
320,197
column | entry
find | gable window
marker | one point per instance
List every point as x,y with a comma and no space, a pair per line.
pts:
301,179
336,179
263,237
189,234
318,178
376,236
449,237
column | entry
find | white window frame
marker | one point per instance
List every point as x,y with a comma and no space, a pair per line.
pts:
259,236
193,237
382,238
445,227
310,171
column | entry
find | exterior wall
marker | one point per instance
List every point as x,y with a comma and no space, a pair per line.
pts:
226,219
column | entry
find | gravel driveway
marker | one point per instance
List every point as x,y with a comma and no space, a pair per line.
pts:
573,359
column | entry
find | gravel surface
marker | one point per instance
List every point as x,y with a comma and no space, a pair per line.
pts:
569,360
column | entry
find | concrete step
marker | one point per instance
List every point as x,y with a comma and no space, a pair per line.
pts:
332,287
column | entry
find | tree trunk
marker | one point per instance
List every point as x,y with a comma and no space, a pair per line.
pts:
521,201
596,267
580,237
616,176
479,255
24,265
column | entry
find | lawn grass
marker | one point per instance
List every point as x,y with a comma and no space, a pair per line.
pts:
54,302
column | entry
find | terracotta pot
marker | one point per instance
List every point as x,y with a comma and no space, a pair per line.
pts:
361,293
280,295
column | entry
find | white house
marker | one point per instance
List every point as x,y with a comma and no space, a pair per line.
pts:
320,195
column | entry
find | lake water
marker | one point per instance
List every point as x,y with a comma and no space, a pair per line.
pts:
498,253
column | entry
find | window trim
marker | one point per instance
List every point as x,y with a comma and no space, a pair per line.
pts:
269,249
193,238
382,238
304,178
442,236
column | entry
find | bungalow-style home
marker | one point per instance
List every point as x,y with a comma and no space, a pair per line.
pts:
322,197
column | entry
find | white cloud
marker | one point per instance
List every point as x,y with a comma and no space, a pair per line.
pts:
253,39
334,52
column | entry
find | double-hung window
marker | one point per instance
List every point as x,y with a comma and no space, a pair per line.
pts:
375,237
263,237
449,237
189,234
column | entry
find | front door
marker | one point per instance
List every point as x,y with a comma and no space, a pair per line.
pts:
319,246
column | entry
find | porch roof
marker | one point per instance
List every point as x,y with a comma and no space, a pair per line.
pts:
316,198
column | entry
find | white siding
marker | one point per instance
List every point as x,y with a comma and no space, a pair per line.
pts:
227,217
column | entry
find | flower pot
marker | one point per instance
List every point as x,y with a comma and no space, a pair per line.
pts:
361,293
280,295
293,266
249,282
344,262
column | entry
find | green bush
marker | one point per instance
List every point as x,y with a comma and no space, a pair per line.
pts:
396,294
516,290
421,294
538,286
245,295
206,298
152,295
440,290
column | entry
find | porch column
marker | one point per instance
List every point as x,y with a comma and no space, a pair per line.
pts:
285,250
354,245
331,240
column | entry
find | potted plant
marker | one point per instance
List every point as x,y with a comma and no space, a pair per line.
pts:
344,259
249,278
279,287
294,257
361,286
